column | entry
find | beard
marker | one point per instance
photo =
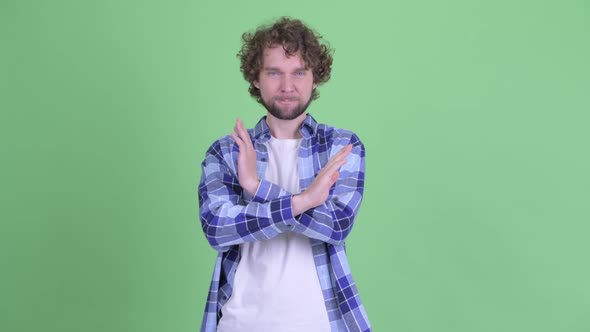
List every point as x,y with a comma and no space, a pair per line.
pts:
282,113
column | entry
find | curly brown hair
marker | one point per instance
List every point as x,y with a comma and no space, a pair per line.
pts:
295,37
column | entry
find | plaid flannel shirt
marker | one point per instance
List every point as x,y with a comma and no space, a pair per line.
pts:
230,216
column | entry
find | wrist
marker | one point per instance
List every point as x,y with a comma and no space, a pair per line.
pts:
300,203
252,186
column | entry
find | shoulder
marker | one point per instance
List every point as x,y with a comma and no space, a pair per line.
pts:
221,147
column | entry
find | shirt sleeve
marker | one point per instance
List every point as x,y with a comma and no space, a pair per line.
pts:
227,217
332,221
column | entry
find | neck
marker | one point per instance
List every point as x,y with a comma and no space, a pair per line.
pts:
285,129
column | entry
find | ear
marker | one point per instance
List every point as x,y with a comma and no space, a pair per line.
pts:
256,84
315,85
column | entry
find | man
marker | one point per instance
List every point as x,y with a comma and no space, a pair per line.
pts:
278,201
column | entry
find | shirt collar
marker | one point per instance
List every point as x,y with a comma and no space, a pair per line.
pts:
308,128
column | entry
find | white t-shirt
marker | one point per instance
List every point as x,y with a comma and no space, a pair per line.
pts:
276,286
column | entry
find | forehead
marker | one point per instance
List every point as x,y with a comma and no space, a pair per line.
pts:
277,57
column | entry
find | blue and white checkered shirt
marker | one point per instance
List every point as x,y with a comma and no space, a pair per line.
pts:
230,216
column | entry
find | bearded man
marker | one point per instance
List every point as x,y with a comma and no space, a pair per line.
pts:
278,201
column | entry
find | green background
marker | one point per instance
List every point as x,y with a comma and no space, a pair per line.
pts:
474,116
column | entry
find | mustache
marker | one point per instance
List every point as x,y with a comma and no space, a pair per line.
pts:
286,98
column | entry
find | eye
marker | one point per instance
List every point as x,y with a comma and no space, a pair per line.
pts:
300,73
272,73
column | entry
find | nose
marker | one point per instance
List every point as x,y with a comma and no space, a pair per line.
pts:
287,84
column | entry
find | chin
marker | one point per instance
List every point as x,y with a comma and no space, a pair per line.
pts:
287,115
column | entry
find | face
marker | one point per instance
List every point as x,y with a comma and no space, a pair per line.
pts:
285,83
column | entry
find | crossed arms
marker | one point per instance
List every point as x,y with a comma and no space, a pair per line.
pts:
236,206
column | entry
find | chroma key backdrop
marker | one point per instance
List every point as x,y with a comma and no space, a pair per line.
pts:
474,114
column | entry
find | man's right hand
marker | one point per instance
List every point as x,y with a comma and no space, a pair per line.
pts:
317,193
247,176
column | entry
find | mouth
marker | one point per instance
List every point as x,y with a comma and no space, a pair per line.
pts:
286,101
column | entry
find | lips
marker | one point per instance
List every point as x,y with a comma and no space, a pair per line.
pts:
286,98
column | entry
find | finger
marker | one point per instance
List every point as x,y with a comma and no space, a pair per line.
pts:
236,131
241,123
332,168
241,130
335,177
335,159
338,157
346,150
238,128
242,137
235,136
238,140
343,152
247,138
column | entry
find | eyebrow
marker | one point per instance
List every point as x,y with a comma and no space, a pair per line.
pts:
278,69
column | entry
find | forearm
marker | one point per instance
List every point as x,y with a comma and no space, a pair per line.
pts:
230,215
225,223
331,221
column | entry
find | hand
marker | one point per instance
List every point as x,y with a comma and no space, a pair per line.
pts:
317,193
247,176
